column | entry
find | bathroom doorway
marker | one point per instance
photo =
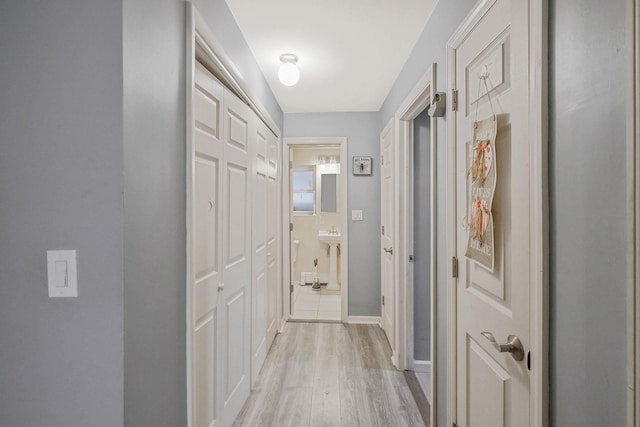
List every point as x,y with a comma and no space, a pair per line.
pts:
317,206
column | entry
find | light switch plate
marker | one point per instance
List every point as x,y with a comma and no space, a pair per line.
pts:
356,215
62,274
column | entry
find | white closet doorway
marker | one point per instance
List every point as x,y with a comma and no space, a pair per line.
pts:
233,246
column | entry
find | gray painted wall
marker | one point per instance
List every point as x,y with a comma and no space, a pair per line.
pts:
155,198
422,237
363,136
430,48
587,212
61,188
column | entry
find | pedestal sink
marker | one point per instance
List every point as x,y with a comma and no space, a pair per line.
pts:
331,238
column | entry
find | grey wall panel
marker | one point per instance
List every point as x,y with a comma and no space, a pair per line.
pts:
154,203
61,188
422,237
587,212
361,130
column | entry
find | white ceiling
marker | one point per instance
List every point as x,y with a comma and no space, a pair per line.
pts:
350,51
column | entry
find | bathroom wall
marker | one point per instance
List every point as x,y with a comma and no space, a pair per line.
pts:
363,139
306,227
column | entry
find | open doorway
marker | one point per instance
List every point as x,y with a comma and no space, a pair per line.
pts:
416,293
422,251
317,207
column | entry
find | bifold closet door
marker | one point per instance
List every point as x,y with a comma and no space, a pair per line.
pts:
272,238
233,209
206,217
259,346
236,258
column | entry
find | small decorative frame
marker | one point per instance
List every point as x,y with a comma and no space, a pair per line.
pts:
362,165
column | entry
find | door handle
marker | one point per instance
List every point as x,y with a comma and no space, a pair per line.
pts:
389,250
513,345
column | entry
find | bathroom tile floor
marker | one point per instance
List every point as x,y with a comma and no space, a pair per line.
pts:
315,305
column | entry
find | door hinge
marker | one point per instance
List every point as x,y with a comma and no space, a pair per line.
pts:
290,164
454,99
382,160
529,360
383,230
454,267
291,288
411,258
382,299
290,226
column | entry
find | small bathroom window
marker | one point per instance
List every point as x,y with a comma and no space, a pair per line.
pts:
304,194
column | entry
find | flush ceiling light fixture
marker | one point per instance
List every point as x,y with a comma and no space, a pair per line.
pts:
288,72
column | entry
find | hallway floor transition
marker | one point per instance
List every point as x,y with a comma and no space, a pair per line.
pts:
330,374
315,305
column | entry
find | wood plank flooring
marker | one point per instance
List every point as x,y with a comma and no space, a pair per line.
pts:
330,374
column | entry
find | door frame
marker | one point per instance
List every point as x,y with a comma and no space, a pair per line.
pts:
633,214
202,45
418,99
287,144
538,209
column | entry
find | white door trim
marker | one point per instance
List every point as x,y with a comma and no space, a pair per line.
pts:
199,33
633,217
416,101
539,293
344,215
202,43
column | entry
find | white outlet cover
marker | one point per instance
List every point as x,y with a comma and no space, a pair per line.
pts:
356,215
62,274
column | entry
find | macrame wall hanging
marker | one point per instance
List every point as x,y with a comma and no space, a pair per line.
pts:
481,184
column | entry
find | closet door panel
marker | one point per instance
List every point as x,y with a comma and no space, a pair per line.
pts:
206,217
237,257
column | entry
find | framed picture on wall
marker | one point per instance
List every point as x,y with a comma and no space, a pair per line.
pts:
362,165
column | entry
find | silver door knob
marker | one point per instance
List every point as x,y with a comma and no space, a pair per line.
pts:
389,250
513,345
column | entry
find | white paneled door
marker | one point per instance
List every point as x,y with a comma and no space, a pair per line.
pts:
259,271
493,382
272,237
387,188
233,245
206,213
236,257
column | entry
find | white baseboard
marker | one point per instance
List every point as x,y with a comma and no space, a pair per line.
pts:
284,323
364,320
423,366
395,360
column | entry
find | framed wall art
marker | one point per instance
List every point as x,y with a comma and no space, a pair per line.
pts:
362,165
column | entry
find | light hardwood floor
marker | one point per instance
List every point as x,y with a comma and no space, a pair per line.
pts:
330,374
